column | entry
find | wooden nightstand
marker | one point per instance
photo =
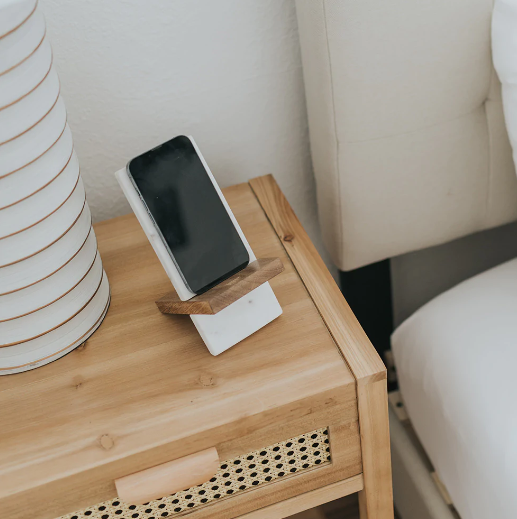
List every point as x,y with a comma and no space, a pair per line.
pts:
297,412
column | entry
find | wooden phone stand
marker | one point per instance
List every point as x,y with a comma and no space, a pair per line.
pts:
224,294
228,313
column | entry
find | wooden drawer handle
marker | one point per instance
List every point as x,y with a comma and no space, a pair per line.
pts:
168,478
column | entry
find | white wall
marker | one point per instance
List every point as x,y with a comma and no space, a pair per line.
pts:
136,73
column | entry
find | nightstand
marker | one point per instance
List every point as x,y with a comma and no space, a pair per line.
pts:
296,415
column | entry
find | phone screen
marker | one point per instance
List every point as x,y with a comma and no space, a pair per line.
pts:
189,213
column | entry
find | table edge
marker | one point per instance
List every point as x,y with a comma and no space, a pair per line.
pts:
351,340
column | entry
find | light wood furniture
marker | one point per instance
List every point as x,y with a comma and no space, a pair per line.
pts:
144,390
168,478
225,293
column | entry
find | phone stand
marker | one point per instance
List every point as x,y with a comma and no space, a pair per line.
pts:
226,293
227,313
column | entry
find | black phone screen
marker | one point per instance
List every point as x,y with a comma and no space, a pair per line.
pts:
189,214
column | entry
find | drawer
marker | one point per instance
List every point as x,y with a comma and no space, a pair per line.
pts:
334,411
247,482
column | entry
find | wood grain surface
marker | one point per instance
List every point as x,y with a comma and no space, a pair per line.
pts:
309,500
168,478
224,294
342,508
357,350
376,499
144,389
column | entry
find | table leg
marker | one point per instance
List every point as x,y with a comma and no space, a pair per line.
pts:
376,499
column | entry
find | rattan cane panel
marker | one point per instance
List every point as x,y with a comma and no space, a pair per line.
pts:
236,475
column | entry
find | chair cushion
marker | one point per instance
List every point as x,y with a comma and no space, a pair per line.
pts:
456,360
406,124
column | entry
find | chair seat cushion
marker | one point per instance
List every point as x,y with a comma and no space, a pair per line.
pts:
456,360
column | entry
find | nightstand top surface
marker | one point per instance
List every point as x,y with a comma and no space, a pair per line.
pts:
145,379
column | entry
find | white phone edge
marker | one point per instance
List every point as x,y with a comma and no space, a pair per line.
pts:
154,238
237,321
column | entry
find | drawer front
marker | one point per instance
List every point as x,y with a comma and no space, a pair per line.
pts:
235,476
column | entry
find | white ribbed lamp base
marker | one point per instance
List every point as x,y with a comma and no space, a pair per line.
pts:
53,289
57,343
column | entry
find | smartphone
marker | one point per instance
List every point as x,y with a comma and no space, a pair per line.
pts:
187,211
